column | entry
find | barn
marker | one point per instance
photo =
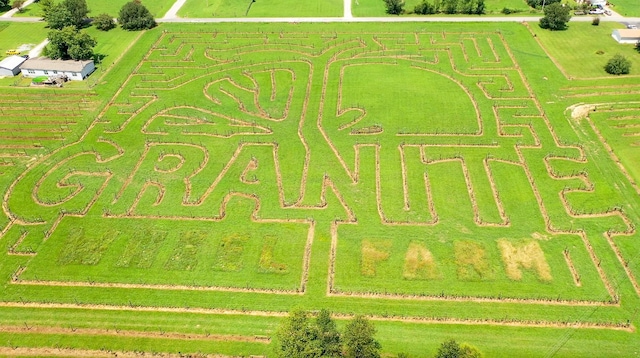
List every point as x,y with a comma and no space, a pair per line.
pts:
10,66
74,70
626,36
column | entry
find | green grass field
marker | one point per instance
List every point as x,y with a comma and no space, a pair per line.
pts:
157,7
626,7
14,35
274,8
447,180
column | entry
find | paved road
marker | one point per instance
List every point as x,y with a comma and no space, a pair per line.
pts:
347,10
531,19
173,12
396,19
12,12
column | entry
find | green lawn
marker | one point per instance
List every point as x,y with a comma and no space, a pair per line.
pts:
267,8
582,50
629,8
13,35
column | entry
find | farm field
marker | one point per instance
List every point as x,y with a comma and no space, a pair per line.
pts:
448,180
275,8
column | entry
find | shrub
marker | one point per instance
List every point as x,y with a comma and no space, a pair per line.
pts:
104,22
637,47
618,65
595,21
424,8
394,7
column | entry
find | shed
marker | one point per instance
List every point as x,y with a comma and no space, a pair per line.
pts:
626,36
10,66
74,70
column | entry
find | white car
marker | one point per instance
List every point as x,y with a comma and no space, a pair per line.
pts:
632,26
596,12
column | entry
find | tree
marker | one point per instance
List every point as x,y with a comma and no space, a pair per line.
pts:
539,3
424,8
4,3
58,17
555,17
78,10
46,6
451,349
394,7
450,6
134,16
358,339
480,6
69,43
104,22
618,65
328,335
296,338
17,4
637,47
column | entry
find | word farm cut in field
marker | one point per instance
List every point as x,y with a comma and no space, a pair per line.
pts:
422,176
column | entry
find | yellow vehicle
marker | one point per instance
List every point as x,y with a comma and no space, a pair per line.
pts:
12,52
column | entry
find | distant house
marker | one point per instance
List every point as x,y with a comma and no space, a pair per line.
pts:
74,70
10,66
626,36
602,3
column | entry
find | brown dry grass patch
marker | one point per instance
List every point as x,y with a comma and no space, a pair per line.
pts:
472,261
527,255
373,252
419,263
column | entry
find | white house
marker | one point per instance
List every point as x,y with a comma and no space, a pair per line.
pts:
626,36
10,66
602,3
74,70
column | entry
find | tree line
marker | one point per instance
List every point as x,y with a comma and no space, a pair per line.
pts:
301,336
67,18
470,7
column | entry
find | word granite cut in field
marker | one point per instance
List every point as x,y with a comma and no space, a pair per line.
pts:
256,171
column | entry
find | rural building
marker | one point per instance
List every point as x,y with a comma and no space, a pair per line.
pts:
602,3
74,70
626,36
10,66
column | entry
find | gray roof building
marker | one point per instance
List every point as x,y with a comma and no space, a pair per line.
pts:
10,66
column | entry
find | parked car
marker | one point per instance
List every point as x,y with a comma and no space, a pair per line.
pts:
596,12
632,26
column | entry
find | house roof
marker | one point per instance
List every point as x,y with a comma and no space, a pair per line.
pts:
12,62
629,33
54,65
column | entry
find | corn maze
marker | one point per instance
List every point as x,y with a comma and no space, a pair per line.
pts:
300,167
